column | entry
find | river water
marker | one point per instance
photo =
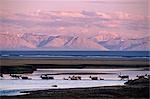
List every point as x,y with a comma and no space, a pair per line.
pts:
10,86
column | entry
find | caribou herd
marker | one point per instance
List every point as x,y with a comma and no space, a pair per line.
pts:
49,77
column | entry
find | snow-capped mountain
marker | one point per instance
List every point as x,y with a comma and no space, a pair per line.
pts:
11,42
138,44
101,42
84,43
33,38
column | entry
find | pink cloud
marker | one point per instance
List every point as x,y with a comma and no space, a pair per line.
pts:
70,22
129,16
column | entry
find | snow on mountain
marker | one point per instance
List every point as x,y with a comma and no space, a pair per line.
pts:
84,43
72,43
56,42
139,47
101,42
13,42
135,44
106,36
33,38
126,44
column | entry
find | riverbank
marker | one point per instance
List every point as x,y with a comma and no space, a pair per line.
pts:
123,92
126,91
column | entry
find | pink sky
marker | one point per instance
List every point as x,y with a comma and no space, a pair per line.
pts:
132,6
75,17
116,10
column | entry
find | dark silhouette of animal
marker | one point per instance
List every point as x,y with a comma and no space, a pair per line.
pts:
123,77
45,76
15,76
75,78
148,76
54,86
101,78
93,78
140,77
1,75
65,79
79,77
24,77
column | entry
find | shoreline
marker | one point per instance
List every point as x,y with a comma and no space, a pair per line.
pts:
90,93
124,92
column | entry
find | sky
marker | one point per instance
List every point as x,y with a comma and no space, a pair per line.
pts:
132,6
75,17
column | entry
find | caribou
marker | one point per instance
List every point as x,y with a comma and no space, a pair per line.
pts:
45,76
75,78
25,78
15,76
93,78
96,78
1,75
65,79
143,76
123,77
148,76
140,77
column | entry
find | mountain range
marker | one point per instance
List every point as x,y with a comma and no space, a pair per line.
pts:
100,42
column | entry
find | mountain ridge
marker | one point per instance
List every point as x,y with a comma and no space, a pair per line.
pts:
101,42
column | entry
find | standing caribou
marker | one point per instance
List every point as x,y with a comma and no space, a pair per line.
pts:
148,76
1,75
15,76
123,77
143,76
75,78
93,78
46,76
96,78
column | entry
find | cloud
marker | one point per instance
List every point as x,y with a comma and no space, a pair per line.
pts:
53,20
119,1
